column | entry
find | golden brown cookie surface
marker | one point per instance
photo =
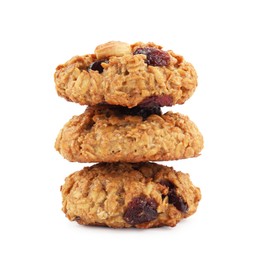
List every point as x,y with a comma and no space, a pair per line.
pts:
113,134
120,195
126,75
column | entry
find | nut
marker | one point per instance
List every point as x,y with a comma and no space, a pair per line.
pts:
113,48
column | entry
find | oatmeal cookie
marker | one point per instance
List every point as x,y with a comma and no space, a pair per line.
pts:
118,195
126,75
118,134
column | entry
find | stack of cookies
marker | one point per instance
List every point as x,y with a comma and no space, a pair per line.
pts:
122,130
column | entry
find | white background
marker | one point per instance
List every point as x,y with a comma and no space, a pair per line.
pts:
221,39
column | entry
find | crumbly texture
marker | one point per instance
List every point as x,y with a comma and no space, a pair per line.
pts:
129,195
105,134
126,80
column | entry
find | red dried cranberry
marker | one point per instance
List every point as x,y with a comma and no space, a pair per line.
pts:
96,65
144,112
155,57
140,209
174,199
163,100
167,183
177,201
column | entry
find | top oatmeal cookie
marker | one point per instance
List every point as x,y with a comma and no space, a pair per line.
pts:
126,75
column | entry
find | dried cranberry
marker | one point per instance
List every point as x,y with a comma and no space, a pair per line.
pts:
155,57
163,100
150,111
167,183
96,65
144,112
177,201
174,199
140,209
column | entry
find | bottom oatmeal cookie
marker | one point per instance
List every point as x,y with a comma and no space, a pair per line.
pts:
118,195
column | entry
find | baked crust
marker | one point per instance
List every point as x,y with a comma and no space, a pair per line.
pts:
126,79
103,195
105,134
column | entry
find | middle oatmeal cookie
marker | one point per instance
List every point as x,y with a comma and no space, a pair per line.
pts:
118,195
117,134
